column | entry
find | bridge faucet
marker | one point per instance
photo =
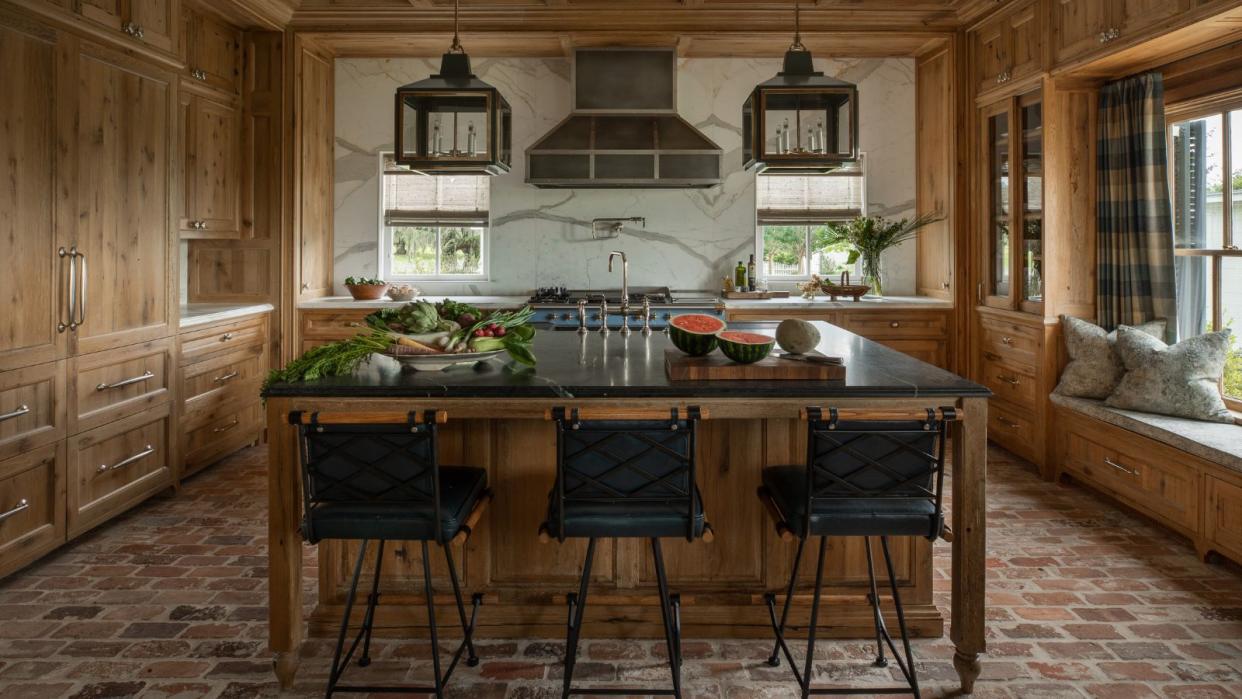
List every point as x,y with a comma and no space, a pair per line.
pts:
625,289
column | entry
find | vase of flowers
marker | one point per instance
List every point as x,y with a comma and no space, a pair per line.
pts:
868,237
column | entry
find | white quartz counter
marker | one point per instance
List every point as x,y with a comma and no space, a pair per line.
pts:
792,303
195,314
337,303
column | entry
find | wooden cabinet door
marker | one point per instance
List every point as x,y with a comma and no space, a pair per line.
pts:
31,283
1025,43
121,146
109,13
991,56
1077,26
156,22
214,52
212,155
1137,16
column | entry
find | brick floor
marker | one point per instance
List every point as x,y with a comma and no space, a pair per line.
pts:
168,601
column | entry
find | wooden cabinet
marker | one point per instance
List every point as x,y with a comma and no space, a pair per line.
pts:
320,327
108,386
116,215
150,22
1223,518
211,174
1008,48
32,408
32,506
114,467
1088,28
213,51
32,283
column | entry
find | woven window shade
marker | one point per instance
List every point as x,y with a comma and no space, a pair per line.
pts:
412,198
808,199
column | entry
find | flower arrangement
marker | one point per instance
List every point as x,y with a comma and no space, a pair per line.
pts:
869,236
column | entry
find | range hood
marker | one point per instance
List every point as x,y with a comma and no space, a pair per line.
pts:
624,131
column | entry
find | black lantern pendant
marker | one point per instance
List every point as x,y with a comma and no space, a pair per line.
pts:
801,121
453,123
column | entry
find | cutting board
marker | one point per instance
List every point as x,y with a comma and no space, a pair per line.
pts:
682,367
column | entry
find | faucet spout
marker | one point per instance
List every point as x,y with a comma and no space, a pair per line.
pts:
625,288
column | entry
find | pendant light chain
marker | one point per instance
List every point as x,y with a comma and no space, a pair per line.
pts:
797,42
456,47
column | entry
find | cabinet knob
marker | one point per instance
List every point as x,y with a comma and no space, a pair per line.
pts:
226,337
894,324
1007,340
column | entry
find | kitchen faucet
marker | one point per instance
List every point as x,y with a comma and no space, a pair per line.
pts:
625,290
612,226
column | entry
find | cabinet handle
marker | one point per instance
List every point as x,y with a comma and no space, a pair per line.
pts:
146,375
138,31
21,410
225,428
226,337
72,254
22,504
1003,77
894,324
198,74
1012,381
226,377
81,319
147,451
991,356
1108,35
1006,340
1007,423
1119,467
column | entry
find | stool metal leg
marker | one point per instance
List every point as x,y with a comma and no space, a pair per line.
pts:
368,621
467,628
338,667
774,659
810,639
431,622
577,607
672,637
874,599
907,668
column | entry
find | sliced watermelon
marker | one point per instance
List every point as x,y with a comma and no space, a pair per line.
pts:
743,347
695,333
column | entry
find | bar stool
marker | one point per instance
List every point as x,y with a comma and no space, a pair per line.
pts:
625,474
868,473
376,477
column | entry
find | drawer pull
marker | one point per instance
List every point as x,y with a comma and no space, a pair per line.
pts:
991,356
22,504
226,377
1007,423
1006,340
145,376
21,410
894,324
225,428
1012,381
1119,467
226,337
104,468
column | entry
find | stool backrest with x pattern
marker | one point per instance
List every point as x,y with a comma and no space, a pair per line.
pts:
647,461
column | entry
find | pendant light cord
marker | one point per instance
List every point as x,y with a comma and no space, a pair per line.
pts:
797,42
456,47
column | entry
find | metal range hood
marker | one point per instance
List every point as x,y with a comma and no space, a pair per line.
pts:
624,131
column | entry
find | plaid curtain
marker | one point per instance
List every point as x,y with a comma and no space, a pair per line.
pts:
1135,242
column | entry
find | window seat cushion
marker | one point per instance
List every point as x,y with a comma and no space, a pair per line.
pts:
1220,443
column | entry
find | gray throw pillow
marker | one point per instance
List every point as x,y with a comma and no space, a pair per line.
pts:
1182,380
1094,367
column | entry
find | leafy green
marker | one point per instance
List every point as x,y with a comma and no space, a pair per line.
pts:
518,333
363,281
332,359
412,318
452,310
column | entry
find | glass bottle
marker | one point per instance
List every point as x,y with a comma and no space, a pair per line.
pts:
739,276
750,274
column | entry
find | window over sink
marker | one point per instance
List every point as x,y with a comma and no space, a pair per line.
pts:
793,213
434,228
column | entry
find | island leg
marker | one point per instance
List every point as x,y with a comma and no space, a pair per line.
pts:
284,544
970,455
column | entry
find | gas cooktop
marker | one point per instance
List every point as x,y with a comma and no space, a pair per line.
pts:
560,295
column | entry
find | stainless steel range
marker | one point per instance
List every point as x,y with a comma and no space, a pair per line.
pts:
573,309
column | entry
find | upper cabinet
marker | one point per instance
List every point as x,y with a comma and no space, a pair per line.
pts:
213,51
211,174
1084,28
1008,48
151,22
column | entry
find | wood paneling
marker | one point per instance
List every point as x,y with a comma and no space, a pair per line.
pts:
211,177
156,22
31,284
1069,191
1078,27
117,182
935,166
314,140
32,489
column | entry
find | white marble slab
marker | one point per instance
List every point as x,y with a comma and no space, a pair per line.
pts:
542,237
195,314
346,302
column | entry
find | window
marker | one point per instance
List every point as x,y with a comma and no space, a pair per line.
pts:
1205,154
434,228
793,216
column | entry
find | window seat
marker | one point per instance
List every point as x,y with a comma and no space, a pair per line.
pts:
1219,443
1185,474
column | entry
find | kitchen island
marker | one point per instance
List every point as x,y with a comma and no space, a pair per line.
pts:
497,421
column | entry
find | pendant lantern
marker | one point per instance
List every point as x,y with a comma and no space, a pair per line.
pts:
452,123
800,121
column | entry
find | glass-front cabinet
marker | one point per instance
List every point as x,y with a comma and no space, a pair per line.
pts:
1013,222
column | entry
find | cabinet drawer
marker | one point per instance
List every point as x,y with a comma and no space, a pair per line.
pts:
930,351
109,385
1223,523
1141,476
336,325
220,436
1013,429
32,506
886,325
201,343
114,467
1015,344
221,379
1009,383
32,408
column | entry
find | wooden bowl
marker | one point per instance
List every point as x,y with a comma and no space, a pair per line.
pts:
367,292
856,291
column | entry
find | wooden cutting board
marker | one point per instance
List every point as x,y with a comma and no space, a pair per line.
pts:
682,367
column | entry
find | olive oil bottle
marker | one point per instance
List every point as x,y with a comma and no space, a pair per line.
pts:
739,277
750,274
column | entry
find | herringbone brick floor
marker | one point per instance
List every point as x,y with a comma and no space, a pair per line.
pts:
168,601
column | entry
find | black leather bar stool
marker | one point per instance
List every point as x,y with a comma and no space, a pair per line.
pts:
380,480
868,473
625,474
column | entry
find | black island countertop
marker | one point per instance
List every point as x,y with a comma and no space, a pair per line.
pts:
574,365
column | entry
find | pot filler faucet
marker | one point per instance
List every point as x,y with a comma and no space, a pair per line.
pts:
625,290
604,228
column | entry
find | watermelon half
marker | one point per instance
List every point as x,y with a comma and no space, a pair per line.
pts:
695,333
745,348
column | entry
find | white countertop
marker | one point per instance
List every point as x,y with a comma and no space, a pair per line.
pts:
337,303
194,314
792,303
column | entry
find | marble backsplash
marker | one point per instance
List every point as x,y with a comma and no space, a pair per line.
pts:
542,237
